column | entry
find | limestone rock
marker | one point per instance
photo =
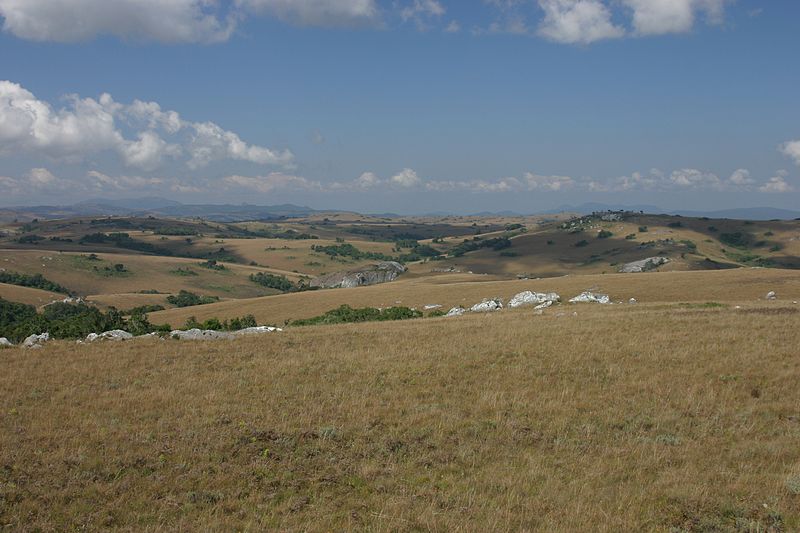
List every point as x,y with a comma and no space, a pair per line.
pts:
644,265
5,343
771,295
113,335
36,341
456,311
383,272
257,330
487,305
200,334
590,297
533,298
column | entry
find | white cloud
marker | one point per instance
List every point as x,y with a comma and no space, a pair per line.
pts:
658,17
88,126
548,183
406,178
791,149
171,21
100,181
421,11
777,184
271,182
317,12
691,178
453,27
577,21
367,180
741,177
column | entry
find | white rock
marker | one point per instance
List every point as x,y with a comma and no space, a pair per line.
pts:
487,305
200,334
632,301
456,311
36,341
5,343
590,297
432,306
544,305
533,298
771,295
113,335
257,330
643,265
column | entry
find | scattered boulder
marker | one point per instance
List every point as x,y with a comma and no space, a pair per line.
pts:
543,305
487,305
383,272
5,343
771,295
36,341
632,301
113,335
533,298
590,297
432,306
256,330
200,334
644,265
456,311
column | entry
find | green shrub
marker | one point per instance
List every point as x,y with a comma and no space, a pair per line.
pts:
36,281
643,229
345,314
188,299
604,234
581,243
736,239
185,272
272,281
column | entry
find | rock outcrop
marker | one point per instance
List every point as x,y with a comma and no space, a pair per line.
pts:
456,311
370,275
590,297
200,334
36,341
256,330
533,298
5,343
643,265
113,335
487,305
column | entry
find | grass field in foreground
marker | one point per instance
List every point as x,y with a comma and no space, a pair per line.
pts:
622,418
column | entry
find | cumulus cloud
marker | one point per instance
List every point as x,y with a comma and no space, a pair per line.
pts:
421,11
87,126
271,182
317,12
577,21
171,21
777,183
104,182
741,178
791,149
658,17
406,178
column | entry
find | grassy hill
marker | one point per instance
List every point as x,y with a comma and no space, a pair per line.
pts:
622,418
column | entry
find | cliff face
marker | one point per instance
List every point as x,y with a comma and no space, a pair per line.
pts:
370,275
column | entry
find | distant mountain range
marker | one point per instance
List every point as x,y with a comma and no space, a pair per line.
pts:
162,207
158,207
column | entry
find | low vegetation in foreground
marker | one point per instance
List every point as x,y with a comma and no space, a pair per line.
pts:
486,423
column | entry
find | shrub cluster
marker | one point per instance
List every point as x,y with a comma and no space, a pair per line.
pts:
188,299
235,324
345,314
36,281
272,281
497,243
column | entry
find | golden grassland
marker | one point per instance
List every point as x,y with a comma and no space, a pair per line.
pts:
28,295
654,417
450,290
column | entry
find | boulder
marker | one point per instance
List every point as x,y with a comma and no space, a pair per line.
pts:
36,341
632,301
590,297
533,298
200,334
456,311
257,330
543,305
487,305
5,343
432,306
771,295
643,265
383,272
113,335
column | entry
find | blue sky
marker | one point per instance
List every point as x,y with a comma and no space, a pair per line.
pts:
406,105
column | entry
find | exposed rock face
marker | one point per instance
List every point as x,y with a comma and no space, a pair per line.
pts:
200,334
5,343
371,275
643,265
36,341
113,335
487,305
257,330
544,305
590,297
456,311
533,298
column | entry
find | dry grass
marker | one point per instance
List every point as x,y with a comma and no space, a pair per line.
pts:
734,286
28,295
628,418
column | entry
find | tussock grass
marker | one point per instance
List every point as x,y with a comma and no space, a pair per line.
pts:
628,418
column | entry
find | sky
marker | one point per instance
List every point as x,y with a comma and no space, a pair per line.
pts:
405,106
